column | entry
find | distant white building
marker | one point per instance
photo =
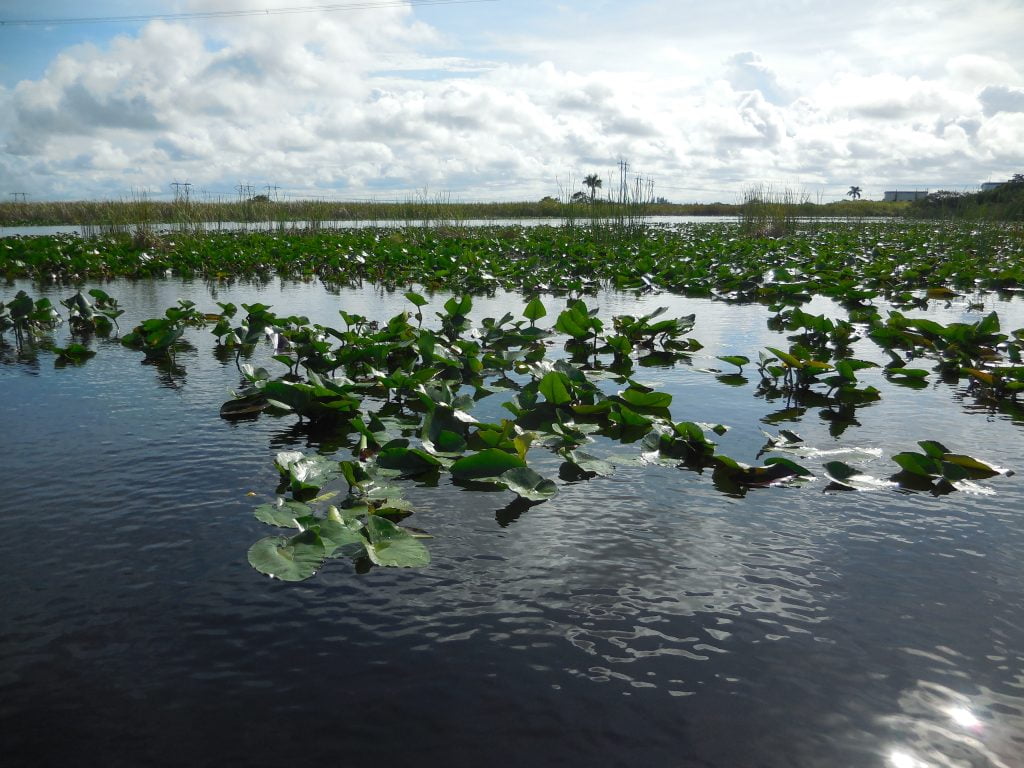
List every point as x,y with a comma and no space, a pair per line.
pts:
988,186
898,196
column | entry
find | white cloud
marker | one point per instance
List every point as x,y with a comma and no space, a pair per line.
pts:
372,103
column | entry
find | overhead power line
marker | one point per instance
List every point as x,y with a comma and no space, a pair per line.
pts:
327,8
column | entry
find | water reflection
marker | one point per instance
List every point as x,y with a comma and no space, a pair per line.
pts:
942,727
695,626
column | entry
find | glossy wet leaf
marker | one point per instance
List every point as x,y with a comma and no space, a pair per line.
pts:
918,464
281,514
975,468
851,478
738,360
641,399
590,463
406,459
341,537
490,462
288,559
909,373
312,472
417,299
534,310
391,545
555,387
933,448
628,417
529,484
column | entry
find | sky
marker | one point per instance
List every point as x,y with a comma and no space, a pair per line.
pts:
507,99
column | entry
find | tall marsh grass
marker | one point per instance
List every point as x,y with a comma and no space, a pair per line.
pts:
769,211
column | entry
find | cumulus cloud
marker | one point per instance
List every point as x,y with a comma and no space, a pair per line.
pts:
748,72
371,103
1000,98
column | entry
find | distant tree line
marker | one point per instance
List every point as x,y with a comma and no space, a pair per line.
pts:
1004,202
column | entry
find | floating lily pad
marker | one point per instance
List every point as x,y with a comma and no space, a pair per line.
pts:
392,545
282,514
288,559
490,462
529,484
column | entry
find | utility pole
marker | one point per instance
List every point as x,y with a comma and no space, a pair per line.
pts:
272,188
182,190
20,197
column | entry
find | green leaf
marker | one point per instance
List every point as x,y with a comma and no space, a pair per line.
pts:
628,418
589,463
289,559
490,462
933,448
975,468
786,357
555,387
839,471
409,460
918,464
909,373
738,360
416,298
641,399
570,325
852,479
790,466
341,537
528,484
534,310
449,442
393,546
311,472
282,514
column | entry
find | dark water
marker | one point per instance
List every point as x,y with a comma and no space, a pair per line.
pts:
645,619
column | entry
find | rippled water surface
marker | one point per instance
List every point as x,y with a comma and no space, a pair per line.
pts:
644,619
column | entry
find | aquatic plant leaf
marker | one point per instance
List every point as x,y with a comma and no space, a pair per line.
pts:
341,537
417,299
74,352
975,468
570,324
284,460
311,472
450,443
529,484
288,559
490,462
534,310
391,545
786,357
933,448
641,399
738,360
780,463
628,417
775,470
245,405
589,463
918,464
282,514
555,387
409,460
910,373
846,477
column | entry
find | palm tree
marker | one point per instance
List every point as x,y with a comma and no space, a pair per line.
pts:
593,183
854,193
